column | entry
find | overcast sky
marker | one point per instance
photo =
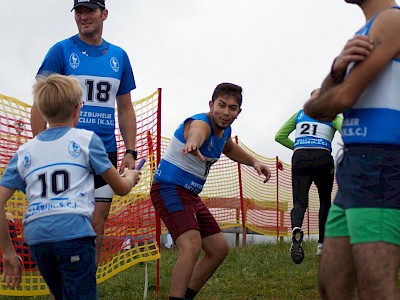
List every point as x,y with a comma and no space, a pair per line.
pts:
278,51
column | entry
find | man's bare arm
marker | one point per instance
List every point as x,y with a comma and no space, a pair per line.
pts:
38,123
340,97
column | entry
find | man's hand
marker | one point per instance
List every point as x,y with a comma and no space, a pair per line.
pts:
355,50
192,149
127,162
262,169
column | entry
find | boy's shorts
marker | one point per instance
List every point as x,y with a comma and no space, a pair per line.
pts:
68,267
181,210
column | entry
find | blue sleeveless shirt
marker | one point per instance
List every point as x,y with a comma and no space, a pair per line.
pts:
374,119
188,170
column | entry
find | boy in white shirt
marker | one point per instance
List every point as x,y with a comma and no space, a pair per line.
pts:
55,170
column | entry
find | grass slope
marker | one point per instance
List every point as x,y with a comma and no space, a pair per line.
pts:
262,271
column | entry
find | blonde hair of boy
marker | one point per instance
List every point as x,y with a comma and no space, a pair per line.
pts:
57,96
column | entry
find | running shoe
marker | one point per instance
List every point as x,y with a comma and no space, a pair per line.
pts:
296,250
319,249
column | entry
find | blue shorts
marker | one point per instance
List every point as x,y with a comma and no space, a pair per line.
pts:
68,267
368,176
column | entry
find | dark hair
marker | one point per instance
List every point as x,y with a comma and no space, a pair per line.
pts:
228,89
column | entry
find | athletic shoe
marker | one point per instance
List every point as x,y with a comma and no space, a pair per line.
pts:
319,249
296,250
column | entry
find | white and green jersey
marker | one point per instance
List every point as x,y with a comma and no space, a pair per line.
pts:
310,133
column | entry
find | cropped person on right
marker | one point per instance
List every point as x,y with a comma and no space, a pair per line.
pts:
361,256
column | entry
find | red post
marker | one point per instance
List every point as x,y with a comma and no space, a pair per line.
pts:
308,223
158,159
277,196
242,204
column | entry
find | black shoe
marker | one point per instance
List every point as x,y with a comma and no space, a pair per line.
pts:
296,251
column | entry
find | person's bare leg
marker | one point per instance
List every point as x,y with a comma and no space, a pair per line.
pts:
336,274
99,220
377,270
189,247
216,249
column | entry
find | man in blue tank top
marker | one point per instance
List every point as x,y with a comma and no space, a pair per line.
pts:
362,240
312,161
196,145
106,76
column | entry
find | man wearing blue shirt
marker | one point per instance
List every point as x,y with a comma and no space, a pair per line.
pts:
106,76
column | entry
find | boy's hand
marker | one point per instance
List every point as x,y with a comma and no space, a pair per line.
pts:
12,270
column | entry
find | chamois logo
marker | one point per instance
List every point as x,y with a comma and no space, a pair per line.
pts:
74,61
27,160
114,64
210,145
74,149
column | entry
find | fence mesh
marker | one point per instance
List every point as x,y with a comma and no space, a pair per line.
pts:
130,235
235,194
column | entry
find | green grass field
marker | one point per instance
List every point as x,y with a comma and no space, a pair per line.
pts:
262,271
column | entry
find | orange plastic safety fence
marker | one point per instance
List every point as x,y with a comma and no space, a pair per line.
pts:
235,194
130,234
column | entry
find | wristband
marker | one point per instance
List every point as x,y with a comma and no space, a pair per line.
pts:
134,153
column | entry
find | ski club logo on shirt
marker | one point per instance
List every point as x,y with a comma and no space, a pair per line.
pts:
210,145
74,149
74,61
114,64
27,160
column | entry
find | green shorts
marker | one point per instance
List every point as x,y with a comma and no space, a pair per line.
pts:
364,225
